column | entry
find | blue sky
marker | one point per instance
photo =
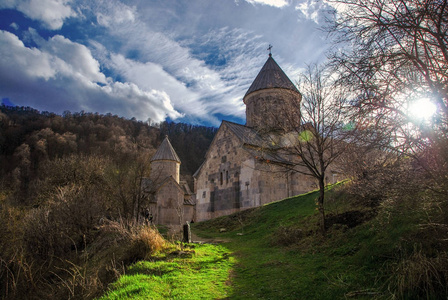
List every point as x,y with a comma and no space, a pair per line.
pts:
188,61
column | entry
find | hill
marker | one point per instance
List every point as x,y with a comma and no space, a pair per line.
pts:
277,252
61,178
280,253
87,133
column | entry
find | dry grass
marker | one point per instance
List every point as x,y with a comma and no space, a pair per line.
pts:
44,266
144,241
419,274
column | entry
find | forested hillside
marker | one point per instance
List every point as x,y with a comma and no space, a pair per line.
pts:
29,138
61,177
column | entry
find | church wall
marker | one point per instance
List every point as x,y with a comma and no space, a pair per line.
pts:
273,109
161,169
218,184
268,183
245,182
188,211
170,201
301,184
271,182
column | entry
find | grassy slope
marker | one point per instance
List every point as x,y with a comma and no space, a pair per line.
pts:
346,262
279,256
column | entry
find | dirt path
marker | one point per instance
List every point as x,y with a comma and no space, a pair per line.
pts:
197,239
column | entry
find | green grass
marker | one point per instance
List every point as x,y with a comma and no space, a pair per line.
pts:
280,255
197,273
347,262
266,271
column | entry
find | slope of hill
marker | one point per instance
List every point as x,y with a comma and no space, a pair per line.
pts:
280,254
366,253
61,177
277,252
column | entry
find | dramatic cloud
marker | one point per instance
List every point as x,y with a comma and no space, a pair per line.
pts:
63,75
188,81
191,60
51,12
314,10
110,13
74,58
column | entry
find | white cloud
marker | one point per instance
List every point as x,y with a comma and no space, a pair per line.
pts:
188,81
14,25
110,13
314,9
15,58
131,101
150,76
51,12
275,3
49,78
74,56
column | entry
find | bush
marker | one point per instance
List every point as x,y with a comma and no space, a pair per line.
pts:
132,241
145,241
419,275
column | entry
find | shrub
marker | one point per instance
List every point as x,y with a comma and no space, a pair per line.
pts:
133,241
419,275
289,235
145,241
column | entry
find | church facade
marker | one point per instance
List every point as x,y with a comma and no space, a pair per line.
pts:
244,166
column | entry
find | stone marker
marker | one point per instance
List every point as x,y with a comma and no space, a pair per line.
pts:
187,233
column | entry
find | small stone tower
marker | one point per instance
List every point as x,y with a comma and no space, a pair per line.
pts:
165,163
272,101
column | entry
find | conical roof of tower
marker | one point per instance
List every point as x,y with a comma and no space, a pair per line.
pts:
166,152
271,76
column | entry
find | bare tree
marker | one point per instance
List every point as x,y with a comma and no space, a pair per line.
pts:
397,53
400,50
322,138
313,147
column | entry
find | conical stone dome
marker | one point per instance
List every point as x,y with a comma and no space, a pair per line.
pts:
165,163
272,101
271,76
166,152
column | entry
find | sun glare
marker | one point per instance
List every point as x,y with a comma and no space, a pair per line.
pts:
422,109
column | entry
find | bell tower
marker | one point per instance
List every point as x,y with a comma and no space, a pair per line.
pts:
272,101
165,163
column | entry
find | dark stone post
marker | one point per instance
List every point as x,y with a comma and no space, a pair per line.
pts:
187,233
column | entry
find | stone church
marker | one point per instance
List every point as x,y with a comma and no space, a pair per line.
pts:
170,201
245,166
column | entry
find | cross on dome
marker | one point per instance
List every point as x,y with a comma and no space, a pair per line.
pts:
269,49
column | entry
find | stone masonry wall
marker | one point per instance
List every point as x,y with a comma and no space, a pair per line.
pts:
161,169
231,180
170,199
273,109
218,183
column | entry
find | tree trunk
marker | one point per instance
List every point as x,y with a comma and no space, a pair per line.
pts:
320,202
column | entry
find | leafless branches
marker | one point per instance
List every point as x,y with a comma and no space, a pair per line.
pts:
313,147
396,53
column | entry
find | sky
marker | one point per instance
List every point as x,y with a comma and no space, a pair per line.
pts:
180,60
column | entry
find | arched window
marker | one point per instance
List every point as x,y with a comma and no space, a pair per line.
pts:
220,178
